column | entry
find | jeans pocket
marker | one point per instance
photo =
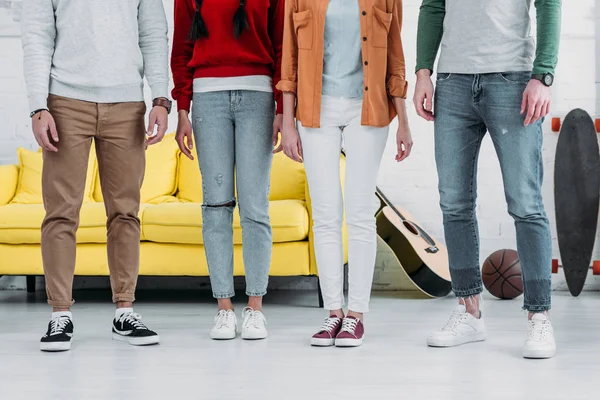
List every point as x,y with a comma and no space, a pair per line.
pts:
522,77
441,77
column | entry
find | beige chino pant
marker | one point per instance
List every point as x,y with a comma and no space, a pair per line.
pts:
119,135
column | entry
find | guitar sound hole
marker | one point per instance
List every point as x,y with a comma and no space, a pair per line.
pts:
411,228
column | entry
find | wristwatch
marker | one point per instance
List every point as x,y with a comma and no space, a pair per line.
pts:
546,79
161,101
31,114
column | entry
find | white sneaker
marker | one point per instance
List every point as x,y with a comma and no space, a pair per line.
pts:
461,328
225,326
255,324
540,338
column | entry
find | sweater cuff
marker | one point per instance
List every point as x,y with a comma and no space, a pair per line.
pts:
421,66
537,70
287,86
183,103
397,87
160,89
38,101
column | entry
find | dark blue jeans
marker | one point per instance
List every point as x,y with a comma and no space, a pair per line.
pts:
466,107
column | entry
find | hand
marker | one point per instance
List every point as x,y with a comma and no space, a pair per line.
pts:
184,134
536,101
290,142
159,117
403,141
277,127
44,127
423,98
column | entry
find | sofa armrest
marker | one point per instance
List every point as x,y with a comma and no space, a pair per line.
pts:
9,176
311,238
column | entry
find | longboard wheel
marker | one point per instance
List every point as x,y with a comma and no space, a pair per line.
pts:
596,267
556,125
555,266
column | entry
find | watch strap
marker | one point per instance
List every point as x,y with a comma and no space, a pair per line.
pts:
162,102
39,110
544,78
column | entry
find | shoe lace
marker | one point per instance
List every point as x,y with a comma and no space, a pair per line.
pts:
455,319
134,319
330,324
254,318
349,325
58,324
538,330
223,318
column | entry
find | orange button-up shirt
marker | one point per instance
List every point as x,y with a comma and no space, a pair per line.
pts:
382,56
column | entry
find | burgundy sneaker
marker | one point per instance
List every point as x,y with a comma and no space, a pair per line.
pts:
326,335
352,333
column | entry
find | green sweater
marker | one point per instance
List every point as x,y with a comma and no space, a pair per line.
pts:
477,38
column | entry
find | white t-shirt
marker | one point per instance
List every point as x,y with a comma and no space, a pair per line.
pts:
257,83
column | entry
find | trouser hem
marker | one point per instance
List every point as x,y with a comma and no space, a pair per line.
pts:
536,308
333,306
61,303
256,294
463,293
223,296
123,297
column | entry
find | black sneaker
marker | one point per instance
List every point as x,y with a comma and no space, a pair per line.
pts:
59,334
129,328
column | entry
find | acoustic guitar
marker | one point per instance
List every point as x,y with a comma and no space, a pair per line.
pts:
423,258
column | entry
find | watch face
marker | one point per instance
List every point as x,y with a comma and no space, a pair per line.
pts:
548,79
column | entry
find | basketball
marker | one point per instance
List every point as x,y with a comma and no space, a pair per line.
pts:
501,274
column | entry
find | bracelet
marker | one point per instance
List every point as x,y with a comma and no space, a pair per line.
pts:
39,110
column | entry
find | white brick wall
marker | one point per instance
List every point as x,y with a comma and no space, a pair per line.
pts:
413,183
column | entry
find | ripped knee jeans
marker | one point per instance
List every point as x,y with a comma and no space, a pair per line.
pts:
232,134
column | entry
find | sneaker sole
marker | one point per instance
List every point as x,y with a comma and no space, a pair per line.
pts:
222,336
317,342
137,341
348,342
539,354
475,337
55,347
254,335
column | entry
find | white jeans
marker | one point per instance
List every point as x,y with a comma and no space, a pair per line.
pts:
364,146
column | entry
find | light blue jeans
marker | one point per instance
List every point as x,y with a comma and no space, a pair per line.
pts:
233,135
466,107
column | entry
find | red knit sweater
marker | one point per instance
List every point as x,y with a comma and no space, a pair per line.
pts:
256,52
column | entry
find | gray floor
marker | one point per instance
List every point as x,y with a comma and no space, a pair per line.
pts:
393,363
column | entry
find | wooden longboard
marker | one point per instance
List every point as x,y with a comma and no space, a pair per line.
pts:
577,196
423,258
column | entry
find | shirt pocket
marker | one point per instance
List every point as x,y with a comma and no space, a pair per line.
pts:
303,25
381,27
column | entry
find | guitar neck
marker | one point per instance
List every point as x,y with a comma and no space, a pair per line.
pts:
388,203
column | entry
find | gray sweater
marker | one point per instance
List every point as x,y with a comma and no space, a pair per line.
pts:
94,50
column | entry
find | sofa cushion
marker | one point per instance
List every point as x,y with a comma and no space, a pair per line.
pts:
9,178
20,223
190,180
182,222
160,177
287,179
29,186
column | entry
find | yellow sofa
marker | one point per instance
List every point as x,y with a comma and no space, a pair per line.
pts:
170,215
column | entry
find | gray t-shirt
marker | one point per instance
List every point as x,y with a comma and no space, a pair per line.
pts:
486,36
